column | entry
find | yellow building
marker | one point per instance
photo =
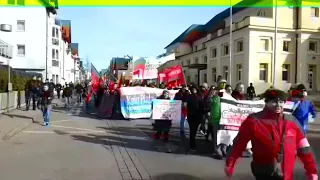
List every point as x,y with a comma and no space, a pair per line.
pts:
204,49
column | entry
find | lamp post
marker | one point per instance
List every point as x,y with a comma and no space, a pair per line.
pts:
230,45
275,45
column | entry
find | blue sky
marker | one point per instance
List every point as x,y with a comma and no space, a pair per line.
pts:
103,33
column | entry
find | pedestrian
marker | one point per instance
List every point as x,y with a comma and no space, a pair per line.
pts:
79,91
181,95
303,108
203,109
58,89
194,116
162,127
207,107
219,150
251,93
46,104
277,139
67,92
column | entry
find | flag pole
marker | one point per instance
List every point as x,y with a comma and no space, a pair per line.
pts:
230,45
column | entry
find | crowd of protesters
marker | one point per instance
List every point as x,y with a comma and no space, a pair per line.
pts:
41,95
201,109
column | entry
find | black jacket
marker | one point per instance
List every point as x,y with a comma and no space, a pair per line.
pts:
194,103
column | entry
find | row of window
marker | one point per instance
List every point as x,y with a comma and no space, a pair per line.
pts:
263,73
195,61
265,45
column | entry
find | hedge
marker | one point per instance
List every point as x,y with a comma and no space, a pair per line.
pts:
18,79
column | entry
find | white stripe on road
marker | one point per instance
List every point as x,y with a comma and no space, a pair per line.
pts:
59,121
52,132
83,129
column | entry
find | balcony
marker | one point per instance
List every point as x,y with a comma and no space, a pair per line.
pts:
6,50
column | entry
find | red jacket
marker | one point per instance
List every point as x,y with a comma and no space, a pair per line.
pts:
262,129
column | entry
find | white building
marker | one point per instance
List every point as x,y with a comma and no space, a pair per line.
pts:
37,44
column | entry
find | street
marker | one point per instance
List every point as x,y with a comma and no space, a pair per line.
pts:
80,147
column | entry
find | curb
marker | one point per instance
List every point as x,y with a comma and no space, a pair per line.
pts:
15,131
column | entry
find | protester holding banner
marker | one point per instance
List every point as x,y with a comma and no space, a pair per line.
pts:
239,94
162,127
277,139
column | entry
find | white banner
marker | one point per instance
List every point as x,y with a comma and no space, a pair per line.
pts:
136,102
166,110
234,112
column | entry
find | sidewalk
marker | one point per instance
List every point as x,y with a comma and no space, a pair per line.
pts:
15,121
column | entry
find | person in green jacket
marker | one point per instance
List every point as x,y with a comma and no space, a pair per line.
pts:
215,115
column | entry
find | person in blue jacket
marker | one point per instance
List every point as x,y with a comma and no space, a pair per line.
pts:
303,108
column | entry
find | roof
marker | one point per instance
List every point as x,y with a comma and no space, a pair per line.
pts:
205,29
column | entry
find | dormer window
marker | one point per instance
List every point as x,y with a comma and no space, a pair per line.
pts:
262,13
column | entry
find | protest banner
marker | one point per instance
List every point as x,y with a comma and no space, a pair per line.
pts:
166,110
136,102
234,112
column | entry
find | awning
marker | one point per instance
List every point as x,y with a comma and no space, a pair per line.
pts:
197,66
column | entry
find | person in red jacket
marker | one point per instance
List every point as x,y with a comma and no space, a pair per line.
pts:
276,138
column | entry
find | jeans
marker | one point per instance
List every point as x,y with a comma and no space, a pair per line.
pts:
182,125
79,97
67,101
46,112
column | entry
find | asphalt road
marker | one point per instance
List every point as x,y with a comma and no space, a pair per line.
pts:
80,147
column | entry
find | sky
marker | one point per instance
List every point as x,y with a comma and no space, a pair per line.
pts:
103,33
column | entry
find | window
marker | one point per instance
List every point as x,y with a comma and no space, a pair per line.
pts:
21,25
285,72
311,78
57,79
214,52
262,13
55,63
195,48
225,72
182,63
188,79
314,12
214,74
313,46
21,50
196,61
225,49
53,31
263,72
57,33
205,60
188,62
239,47
205,77
53,54
239,72
57,54
285,46
203,45
264,44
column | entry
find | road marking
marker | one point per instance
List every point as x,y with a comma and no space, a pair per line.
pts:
83,129
59,121
52,132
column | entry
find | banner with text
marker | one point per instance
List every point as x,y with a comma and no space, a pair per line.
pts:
136,102
234,112
166,110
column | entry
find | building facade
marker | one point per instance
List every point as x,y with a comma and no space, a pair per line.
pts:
36,43
296,50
